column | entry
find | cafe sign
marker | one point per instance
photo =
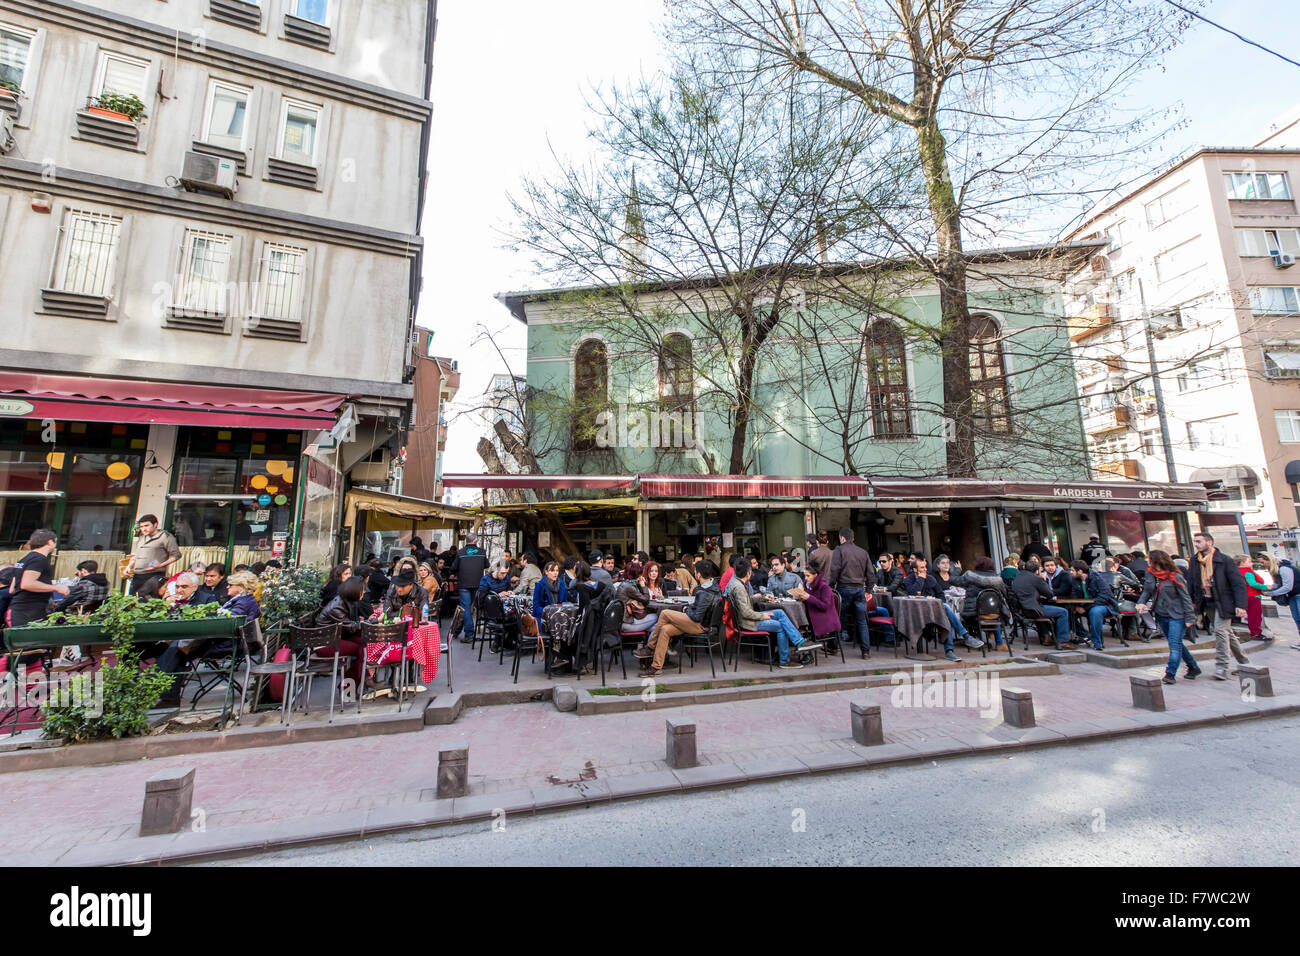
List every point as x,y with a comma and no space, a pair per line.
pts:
15,407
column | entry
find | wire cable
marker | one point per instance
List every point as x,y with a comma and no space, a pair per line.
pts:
1219,26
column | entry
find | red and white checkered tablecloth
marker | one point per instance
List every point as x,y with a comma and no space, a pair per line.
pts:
425,649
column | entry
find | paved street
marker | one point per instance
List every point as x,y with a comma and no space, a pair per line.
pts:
1174,799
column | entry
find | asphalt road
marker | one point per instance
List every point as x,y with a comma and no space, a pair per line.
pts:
1197,798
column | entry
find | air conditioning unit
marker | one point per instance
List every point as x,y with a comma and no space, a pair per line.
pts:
6,132
1283,260
209,174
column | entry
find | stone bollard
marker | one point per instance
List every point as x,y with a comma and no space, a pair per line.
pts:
453,769
564,697
868,730
168,797
1148,692
1018,707
680,749
1255,679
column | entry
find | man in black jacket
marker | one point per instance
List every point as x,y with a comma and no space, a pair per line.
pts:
1094,587
850,575
888,575
468,569
91,587
1218,587
672,623
1030,588
1059,579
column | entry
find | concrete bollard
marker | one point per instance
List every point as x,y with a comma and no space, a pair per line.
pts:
1255,679
868,730
453,769
564,697
1018,707
680,744
168,797
1148,692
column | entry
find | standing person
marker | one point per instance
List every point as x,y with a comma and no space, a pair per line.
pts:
33,580
1036,549
154,551
1220,595
1093,552
819,554
1255,590
1138,564
850,574
468,567
1165,594
1286,591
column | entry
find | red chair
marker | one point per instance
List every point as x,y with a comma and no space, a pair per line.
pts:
751,639
878,621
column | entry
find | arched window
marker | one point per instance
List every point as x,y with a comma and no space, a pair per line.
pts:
590,392
676,390
887,392
990,405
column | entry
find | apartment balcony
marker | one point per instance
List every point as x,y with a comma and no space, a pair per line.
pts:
442,436
1123,468
1095,318
1110,420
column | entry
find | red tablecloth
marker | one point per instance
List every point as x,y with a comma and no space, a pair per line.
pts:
425,649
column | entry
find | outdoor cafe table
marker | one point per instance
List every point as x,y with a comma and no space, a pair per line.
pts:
912,614
425,648
793,608
669,604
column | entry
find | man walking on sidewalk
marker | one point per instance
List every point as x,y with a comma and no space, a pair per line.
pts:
1220,592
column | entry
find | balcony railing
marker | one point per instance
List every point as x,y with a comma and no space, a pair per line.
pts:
1090,321
1124,468
1112,419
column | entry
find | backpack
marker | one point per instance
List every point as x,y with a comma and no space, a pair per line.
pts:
1285,599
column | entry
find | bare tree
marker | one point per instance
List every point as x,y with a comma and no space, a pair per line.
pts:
1010,104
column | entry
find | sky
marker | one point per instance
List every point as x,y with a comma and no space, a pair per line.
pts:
510,77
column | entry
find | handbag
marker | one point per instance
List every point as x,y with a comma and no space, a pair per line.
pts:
636,610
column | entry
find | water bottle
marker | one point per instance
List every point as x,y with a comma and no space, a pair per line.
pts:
424,612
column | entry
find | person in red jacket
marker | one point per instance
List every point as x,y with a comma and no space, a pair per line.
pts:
1255,590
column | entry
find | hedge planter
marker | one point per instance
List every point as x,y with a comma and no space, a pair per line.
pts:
23,638
111,114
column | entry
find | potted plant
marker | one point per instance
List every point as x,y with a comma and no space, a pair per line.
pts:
10,89
129,108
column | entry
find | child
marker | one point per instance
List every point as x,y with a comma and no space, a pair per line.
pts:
1255,589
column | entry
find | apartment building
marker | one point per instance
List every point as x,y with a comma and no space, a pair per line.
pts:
209,216
1198,281
437,380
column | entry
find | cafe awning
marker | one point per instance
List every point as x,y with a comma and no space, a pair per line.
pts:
1234,475
399,506
548,482
559,507
752,486
78,398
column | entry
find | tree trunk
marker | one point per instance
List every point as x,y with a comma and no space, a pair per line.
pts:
740,425
954,334
522,454
488,452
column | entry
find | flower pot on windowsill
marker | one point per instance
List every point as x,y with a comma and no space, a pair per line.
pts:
111,114
12,94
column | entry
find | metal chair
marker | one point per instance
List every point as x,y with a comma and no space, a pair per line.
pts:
490,622
611,621
710,637
308,640
989,610
399,633
447,638
751,639
534,639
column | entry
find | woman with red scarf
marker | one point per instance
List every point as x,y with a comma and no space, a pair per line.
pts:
1165,593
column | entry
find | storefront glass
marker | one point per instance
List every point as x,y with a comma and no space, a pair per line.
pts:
1125,532
318,535
1160,532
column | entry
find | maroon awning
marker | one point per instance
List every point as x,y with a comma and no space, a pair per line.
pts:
1096,492
74,398
539,482
752,486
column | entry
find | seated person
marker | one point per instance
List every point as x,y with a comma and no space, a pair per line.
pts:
781,580
1095,588
773,622
403,591
819,602
921,583
183,589
1058,578
213,588
345,610
496,579
636,598
91,588
174,659
1010,568
672,623
551,589
1031,589
983,577
888,575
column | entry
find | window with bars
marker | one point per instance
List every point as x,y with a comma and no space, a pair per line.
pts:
282,284
990,405
88,254
205,270
15,54
590,392
888,395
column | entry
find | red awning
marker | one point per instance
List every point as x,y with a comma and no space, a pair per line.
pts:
541,482
74,398
752,486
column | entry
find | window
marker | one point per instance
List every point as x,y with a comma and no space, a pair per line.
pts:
1115,236
988,376
283,283
313,10
226,118
89,252
1282,361
1110,449
122,75
298,125
590,392
887,392
1124,284
1257,185
1204,372
1210,433
1274,300
15,54
1288,425
676,385
205,269
1172,204
1178,261
1267,242
1151,442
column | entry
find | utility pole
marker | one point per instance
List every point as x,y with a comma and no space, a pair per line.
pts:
1155,386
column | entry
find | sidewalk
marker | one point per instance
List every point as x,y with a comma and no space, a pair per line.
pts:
534,748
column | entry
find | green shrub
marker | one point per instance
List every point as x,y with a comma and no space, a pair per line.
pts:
130,104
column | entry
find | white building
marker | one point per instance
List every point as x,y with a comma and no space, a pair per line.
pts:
1203,254
210,212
